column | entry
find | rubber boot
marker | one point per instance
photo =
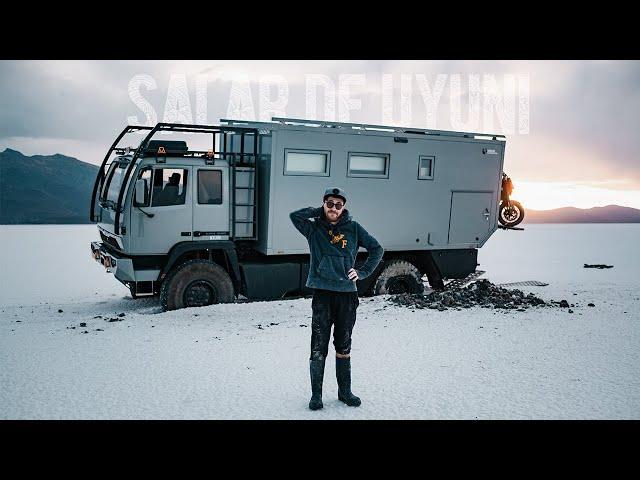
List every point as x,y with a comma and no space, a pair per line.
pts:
316,370
343,375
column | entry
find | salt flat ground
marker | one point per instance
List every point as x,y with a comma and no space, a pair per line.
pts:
249,361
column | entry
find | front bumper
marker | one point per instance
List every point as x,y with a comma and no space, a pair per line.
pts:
121,267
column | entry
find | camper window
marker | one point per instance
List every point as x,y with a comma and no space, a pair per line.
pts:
425,167
368,165
307,162
210,187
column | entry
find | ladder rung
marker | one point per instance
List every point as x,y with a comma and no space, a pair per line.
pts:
245,221
244,188
245,205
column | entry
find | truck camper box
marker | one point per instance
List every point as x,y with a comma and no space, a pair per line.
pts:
165,211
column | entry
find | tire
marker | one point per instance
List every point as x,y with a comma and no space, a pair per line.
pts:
398,276
196,283
513,217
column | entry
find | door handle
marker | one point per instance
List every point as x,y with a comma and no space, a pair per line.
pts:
486,214
185,234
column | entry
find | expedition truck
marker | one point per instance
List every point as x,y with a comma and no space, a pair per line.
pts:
199,227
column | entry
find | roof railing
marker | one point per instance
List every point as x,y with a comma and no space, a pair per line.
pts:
143,147
364,127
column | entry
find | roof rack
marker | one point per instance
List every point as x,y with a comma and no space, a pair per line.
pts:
364,127
147,142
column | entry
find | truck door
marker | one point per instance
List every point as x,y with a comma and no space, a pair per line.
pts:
169,201
210,202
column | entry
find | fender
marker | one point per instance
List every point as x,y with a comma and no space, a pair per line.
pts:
227,246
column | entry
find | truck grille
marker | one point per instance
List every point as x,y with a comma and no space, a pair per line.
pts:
110,240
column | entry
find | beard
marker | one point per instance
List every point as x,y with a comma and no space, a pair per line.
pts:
332,216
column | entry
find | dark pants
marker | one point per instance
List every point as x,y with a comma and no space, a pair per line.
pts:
339,309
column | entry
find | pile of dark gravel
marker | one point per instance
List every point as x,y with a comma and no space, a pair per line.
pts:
481,293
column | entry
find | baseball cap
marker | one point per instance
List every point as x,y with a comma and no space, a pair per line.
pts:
335,192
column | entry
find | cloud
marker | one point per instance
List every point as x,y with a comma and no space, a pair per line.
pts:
584,115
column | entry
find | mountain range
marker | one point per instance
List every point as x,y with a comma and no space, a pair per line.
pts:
608,214
57,189
44,188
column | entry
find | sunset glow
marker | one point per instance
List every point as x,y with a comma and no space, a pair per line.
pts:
570,126
550,195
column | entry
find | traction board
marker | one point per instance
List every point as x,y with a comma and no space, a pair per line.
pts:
526,283
456,283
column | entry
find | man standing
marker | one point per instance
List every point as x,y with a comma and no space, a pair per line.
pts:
334,238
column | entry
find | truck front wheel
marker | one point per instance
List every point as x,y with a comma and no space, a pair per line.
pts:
398,276
196,283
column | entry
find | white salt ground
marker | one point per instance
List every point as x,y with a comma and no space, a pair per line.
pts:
215,363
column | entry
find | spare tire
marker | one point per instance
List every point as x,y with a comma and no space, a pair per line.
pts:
196,283
398,276
511,216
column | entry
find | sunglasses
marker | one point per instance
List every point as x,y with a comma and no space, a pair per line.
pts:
331,204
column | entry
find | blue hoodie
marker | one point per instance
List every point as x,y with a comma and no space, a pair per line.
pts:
333,249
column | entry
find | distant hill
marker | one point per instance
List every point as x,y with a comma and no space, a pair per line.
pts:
57,189
44,189
608,214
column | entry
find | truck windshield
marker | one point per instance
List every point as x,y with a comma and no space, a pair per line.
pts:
114,182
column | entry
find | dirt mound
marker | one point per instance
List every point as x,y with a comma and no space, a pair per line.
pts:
481,293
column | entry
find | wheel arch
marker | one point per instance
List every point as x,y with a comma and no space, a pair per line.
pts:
398,271
422,259
222,252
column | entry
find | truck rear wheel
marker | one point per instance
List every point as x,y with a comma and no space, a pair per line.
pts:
398,276
196,283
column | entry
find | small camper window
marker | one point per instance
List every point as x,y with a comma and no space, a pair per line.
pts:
307,162
425,167
368,165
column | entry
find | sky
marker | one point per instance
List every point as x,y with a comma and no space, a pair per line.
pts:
571,127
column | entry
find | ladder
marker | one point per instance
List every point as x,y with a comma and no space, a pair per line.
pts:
244,195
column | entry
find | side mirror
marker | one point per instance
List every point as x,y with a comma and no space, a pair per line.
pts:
141,193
